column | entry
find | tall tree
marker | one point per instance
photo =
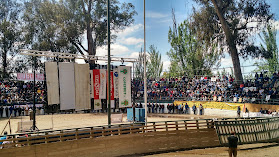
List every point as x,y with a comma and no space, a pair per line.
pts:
187,54
139,68
61,25
270,49
232,21
9,31
155,65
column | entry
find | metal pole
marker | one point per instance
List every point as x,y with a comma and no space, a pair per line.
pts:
34,95
108,67
145,80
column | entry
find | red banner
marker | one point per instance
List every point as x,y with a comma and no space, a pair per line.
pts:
111,86
96,83
30,77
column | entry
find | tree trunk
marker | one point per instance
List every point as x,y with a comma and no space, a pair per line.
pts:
231,43
91,44
4,60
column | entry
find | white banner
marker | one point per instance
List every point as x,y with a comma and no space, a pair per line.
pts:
112,104
30,77
97,104
124,81
67,86
103,83
82,84
115,82
52,83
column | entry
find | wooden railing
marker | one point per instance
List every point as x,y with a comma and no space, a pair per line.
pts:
19,140
248,130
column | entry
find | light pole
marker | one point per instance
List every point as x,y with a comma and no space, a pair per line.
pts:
145,79
108,67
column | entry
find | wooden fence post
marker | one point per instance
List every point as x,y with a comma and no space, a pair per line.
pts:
154,126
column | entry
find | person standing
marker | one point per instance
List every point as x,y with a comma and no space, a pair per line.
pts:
201,109
194,108
232,144
238,111
7,111
1,111
11,110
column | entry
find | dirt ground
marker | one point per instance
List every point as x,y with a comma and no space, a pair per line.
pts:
63,121
248,150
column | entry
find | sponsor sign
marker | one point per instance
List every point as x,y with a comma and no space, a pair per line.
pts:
30,77
115,83
111,86
91,84
124,80
96,83
103,80
97,104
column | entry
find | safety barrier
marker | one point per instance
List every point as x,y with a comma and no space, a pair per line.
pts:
249,130
121,139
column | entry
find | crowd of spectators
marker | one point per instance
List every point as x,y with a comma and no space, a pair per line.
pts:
19,92
206,88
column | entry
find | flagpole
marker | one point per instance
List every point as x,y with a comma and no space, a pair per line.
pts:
145,79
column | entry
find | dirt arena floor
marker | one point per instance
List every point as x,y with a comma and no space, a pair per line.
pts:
248,150
64,121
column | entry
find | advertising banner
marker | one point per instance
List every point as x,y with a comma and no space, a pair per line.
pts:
115,83
124,86
82,84
91,84
97,104
30,77
96,83
103,85
67,86
111,86
52,83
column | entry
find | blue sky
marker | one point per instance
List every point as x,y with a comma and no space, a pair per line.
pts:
158,22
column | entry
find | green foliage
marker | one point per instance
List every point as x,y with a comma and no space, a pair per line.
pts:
188,55
9,33
231,24
270,49
61,25
155,65
139,66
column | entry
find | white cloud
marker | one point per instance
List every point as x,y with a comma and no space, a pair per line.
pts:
166,65
116,49
129,30
151,14
133,41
